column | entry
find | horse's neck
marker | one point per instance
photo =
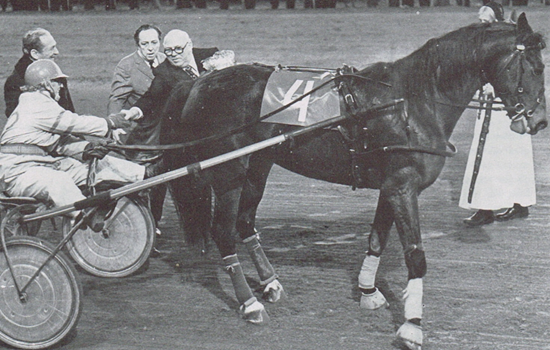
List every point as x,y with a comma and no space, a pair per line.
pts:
440,90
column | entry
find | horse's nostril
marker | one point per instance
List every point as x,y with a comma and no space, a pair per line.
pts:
540,126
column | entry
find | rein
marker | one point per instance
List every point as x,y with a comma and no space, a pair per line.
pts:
218,136
348,98
183,145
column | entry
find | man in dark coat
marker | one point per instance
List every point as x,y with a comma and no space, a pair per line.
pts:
183,64
37,44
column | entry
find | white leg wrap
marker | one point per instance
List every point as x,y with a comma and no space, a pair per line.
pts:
412,296
368,272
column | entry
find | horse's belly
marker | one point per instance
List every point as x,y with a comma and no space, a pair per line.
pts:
323,157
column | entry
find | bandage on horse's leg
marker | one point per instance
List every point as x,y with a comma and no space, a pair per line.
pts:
371,297
252,310
273,290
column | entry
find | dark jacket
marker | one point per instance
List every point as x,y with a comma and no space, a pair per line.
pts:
166,78
152,102
12,87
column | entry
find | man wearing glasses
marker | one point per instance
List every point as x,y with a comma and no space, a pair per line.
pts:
183,63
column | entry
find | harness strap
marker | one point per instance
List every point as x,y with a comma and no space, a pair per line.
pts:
23,149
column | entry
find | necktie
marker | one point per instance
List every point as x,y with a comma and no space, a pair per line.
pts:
151,64
189,70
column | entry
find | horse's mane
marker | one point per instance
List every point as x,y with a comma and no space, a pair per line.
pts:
445,62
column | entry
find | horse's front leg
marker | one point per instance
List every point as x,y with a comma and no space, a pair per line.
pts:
403,197
371,298
225,216
253,190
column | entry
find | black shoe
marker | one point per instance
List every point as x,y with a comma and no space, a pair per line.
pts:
517,211
481,217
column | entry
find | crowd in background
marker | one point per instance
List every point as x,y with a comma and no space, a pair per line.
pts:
67,5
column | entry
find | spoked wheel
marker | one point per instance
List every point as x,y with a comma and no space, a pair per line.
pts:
12,224
122,247
49,308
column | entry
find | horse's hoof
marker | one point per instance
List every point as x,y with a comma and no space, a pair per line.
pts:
273,291
411,335
373,301
254,313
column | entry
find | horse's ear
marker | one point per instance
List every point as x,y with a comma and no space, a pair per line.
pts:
523,26
513,17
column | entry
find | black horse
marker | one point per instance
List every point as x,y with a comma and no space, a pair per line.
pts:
405,152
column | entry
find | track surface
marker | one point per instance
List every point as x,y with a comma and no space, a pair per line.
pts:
486,288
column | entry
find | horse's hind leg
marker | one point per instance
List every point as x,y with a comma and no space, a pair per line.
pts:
228,189
371,298
253,190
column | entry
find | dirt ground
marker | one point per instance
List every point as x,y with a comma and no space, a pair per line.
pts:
486,288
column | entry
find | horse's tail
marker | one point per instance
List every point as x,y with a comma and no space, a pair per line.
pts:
194,207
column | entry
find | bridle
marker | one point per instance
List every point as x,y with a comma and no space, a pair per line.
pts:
519,111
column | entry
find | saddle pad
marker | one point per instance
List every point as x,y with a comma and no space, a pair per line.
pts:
284,86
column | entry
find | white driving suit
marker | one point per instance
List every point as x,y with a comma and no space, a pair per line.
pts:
41,155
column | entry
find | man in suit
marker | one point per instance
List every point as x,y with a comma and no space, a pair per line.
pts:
134,73
37,44
183,64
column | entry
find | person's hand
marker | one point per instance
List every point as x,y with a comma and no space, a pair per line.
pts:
94,150
116,134
133,113
118,121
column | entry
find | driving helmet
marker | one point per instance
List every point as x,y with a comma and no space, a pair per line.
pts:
42,70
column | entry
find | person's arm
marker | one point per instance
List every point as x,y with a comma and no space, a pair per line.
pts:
121,88
57,120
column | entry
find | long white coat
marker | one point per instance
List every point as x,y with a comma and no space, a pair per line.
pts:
506,175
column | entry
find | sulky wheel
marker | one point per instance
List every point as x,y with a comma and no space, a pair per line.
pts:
49,308
122,247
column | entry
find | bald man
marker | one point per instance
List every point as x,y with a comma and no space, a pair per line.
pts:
183,63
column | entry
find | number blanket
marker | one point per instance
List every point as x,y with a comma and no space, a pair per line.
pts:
285,86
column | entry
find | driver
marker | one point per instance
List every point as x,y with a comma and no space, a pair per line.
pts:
42,149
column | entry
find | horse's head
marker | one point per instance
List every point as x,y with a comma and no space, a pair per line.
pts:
517,74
